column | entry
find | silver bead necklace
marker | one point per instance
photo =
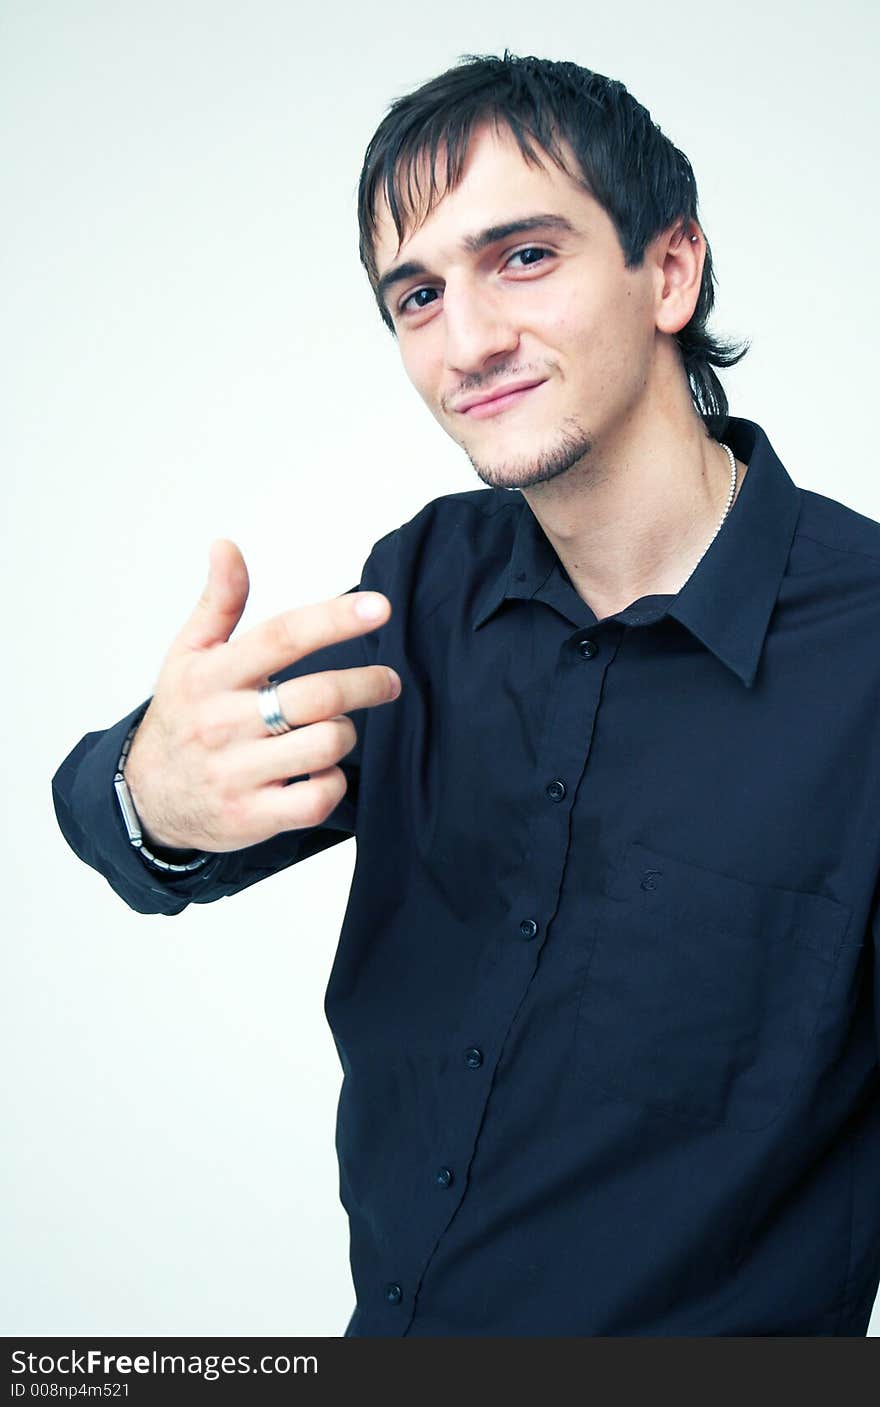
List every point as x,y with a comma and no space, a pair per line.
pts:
730,497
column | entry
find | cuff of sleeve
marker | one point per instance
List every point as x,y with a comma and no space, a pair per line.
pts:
92,822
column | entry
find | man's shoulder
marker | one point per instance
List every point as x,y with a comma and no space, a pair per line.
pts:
470,517
835,556
827,523
451,549
479,504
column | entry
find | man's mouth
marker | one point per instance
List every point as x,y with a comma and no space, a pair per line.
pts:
494,402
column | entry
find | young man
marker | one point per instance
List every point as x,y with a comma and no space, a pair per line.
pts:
602,995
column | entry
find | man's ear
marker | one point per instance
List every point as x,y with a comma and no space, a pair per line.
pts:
678,255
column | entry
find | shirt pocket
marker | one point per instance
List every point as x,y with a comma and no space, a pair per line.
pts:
703,991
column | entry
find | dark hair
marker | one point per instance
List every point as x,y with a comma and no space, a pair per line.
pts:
643,182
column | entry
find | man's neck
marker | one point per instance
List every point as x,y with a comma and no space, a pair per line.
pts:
634,519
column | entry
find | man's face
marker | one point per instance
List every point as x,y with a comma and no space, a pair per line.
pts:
550,311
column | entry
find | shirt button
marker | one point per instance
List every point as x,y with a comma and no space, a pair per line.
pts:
445,1177
473,1058
556,790
528,928
588,648
393,1294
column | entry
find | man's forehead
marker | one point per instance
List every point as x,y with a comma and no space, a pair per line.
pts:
422,193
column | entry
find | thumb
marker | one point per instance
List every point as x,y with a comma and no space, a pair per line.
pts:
222,602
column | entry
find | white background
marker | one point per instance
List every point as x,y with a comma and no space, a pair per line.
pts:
191,350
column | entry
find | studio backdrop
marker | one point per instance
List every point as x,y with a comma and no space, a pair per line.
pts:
191,350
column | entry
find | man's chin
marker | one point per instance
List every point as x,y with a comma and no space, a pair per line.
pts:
525,474
504,476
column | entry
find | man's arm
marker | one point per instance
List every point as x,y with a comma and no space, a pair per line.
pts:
209,770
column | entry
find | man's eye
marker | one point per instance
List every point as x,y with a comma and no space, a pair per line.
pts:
418,300
533,255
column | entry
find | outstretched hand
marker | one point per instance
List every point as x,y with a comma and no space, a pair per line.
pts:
203,770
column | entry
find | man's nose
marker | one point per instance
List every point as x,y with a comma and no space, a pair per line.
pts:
478,328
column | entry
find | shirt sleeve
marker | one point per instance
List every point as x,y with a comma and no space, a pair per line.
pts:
91,822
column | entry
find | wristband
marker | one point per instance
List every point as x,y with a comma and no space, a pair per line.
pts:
132,820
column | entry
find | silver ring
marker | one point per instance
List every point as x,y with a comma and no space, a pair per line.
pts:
270,710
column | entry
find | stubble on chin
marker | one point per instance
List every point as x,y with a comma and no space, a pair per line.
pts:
572,445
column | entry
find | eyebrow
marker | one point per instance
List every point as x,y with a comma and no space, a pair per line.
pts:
474,244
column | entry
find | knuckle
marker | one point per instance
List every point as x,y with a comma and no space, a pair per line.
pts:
326,795
336,784
329,742
329,696
283,634
381,689
314,809
211,732
232,812
347,734
216,781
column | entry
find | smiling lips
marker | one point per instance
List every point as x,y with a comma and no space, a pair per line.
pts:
481,407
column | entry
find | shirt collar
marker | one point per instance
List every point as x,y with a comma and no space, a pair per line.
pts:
728,600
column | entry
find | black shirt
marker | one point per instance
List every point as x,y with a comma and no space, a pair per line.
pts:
604,997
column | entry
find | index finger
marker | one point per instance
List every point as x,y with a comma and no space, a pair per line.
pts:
288,637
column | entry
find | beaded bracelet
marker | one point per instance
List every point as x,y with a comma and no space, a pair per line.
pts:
132,820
